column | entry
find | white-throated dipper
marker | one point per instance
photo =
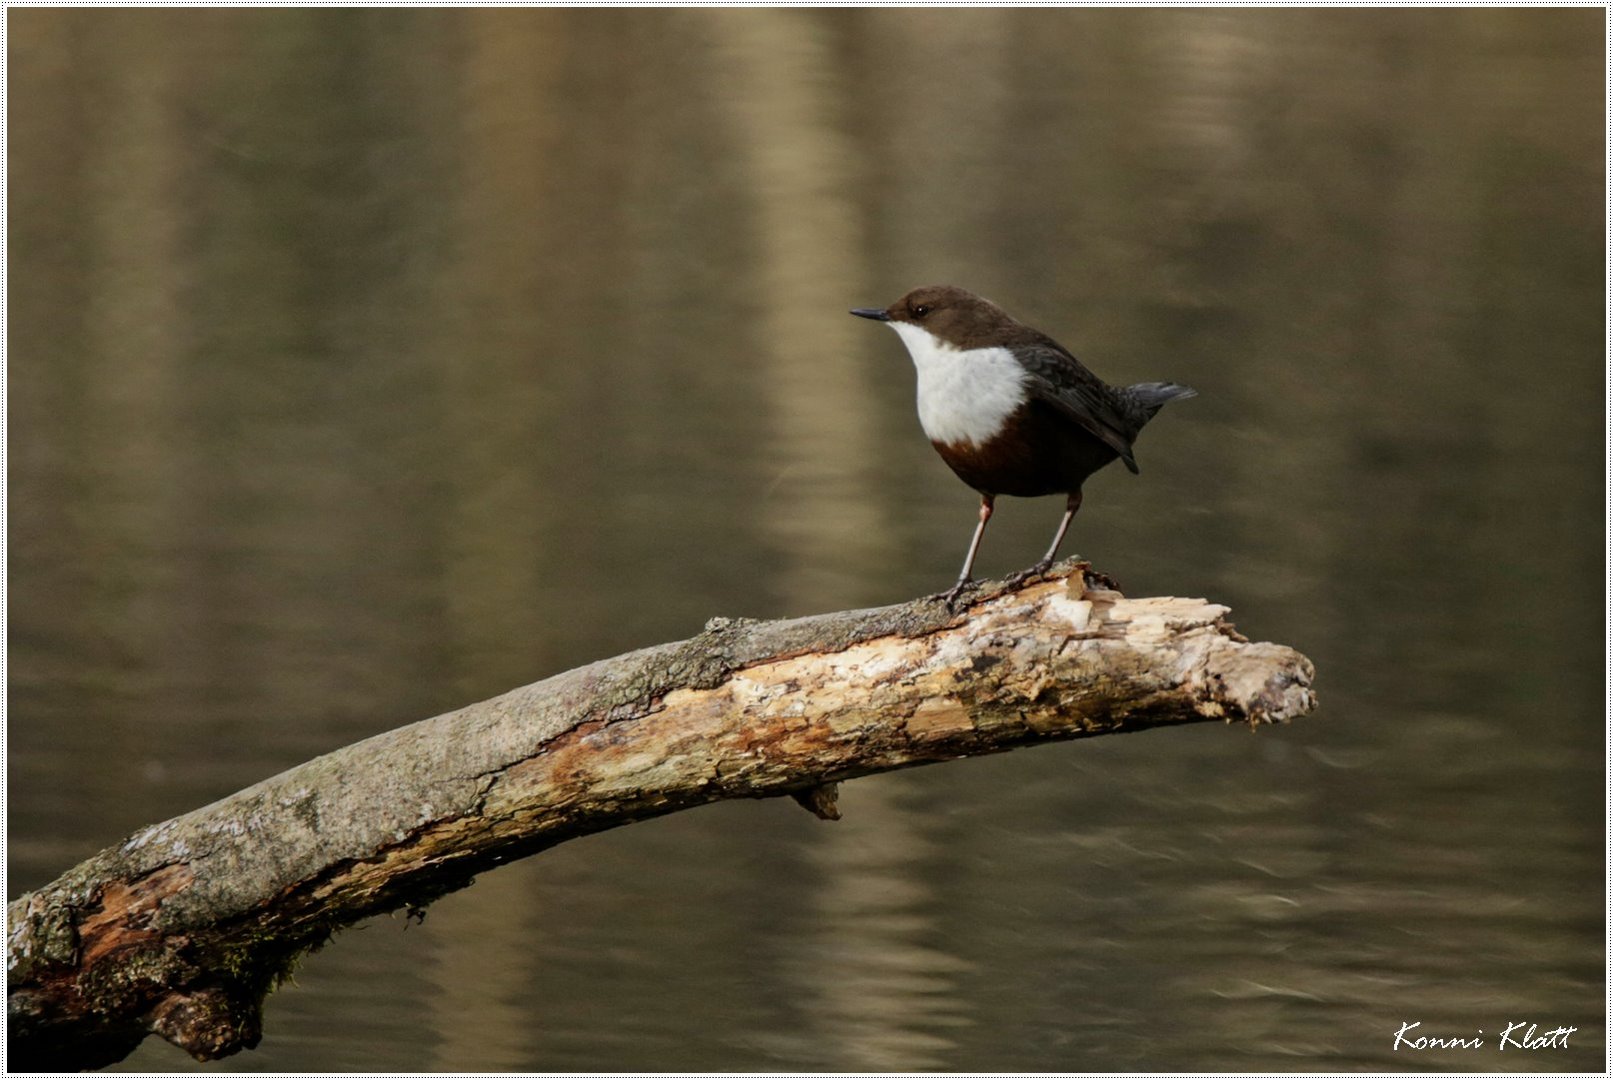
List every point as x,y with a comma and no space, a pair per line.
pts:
1012,411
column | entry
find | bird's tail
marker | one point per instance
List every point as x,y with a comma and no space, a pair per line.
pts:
1150,396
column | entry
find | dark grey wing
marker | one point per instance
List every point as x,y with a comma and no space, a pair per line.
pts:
1062,381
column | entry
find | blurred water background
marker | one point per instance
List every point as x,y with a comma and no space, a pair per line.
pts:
363,364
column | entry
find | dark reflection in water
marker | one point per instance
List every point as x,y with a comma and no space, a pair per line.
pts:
876,976
364,363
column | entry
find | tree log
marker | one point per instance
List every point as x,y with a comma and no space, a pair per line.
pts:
184,927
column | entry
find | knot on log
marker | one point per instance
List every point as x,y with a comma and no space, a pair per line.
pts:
820,800
209,1023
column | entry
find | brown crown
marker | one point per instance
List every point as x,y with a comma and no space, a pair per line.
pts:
960,318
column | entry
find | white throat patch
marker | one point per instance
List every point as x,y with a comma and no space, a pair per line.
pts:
964,394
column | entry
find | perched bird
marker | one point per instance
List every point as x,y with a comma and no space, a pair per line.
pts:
1011,410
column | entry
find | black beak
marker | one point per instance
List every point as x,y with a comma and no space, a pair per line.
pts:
877,314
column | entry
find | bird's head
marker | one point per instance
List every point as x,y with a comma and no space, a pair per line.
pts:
952,316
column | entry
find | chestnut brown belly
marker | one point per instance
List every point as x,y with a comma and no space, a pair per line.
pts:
1037,452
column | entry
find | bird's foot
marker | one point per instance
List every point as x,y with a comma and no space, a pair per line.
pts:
1016,580
950,596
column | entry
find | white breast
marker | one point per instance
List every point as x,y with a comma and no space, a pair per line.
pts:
964,395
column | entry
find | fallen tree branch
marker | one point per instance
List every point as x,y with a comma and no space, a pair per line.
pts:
184,927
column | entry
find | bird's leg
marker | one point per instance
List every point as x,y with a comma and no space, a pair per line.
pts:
964,576
1070,507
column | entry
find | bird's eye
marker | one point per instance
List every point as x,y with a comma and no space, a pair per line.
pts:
921,311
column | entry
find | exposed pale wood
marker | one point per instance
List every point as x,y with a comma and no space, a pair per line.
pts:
184,927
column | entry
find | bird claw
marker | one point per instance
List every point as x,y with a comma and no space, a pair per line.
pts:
950,596
1016,580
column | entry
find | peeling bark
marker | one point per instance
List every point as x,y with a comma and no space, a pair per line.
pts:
184,927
